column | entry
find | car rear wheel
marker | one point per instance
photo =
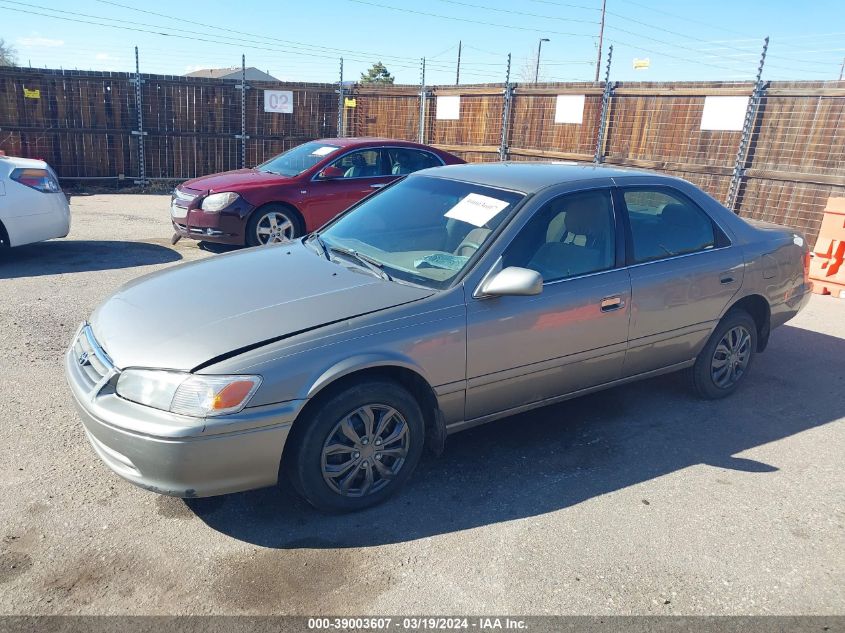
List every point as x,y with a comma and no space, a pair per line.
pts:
358,447
726,358
271,224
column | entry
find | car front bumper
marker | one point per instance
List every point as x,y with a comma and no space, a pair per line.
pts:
227,226
178,455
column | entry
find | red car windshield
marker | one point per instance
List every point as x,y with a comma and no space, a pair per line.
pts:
295,161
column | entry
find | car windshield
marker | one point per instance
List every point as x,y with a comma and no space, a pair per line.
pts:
295,161
423,229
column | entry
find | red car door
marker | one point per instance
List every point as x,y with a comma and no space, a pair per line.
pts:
357,174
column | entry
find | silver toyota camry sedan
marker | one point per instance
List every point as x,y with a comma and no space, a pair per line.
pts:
454,297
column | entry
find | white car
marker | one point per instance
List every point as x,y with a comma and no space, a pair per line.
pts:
32,205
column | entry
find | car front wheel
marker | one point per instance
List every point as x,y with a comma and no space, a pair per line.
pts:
726,358
272,223
358,447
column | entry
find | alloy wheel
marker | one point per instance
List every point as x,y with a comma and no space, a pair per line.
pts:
731,356
273,227
365,450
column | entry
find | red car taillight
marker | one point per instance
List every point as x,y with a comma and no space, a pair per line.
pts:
39,179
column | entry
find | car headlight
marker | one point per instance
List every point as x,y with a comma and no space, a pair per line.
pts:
218,201
188,394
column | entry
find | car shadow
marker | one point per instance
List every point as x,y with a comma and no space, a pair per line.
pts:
559,456
71,256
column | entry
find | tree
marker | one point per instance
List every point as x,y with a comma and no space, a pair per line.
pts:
8,55
378,74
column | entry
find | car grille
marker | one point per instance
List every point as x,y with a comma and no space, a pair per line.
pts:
93,362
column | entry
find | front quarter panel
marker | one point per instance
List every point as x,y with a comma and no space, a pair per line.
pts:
427,337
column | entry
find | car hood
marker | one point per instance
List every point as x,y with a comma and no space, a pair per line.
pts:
184,316
234,180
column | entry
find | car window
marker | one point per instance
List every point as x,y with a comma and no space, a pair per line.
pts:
405,160
424,229
664,225
365,163
569,236
297,160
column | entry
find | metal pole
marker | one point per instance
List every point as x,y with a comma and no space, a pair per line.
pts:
537,66
747,130
340,102
243,111
422,100
842,69
605,105
458,72
506,111
601,39
142,162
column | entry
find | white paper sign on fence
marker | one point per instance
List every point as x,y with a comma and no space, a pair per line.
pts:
724,113
569,109
449,108
278,101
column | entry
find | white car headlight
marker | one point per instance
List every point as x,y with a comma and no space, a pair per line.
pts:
188,394
218,201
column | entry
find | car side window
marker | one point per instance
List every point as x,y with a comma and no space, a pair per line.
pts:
405,160
571,235
365,163
664,225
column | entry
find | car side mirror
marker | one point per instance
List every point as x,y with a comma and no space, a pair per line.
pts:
330,173
513,281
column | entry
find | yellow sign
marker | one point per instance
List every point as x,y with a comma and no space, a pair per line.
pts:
31,94
349,103
641,64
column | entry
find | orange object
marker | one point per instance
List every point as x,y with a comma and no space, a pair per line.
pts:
827,268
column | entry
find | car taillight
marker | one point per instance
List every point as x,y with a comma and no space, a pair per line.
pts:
39,179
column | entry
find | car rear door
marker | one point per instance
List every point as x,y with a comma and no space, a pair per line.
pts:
684,273
524,350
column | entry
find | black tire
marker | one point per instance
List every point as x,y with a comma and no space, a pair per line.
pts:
719,368
258,216
305,463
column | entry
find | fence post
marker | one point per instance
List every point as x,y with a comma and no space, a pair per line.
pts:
422,100
243,88
605,106
506,113
340,102
142,163
747,130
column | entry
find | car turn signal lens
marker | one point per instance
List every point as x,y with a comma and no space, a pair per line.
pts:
232,395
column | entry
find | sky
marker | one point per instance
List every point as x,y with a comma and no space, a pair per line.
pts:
303,41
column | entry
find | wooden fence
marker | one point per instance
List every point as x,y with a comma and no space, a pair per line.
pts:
86,125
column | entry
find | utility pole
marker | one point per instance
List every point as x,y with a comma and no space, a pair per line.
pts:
422,100
537,67
340,103
601,39
458,72
842,69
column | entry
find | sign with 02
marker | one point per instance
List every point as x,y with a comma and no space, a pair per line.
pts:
278,101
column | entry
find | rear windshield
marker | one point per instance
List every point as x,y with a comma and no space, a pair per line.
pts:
299,159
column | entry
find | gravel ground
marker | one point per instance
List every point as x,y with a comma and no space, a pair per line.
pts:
639,500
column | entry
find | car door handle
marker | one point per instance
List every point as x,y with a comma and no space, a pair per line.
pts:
609,304
377,186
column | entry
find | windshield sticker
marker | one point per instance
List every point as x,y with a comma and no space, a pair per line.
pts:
476,209
323,151
447,261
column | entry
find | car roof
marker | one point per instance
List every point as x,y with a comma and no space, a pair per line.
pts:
530,177
366,141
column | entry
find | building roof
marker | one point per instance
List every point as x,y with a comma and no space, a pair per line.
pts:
234,72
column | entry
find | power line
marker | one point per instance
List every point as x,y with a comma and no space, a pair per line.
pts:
512,12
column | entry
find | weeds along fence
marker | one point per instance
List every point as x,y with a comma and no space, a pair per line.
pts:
772,151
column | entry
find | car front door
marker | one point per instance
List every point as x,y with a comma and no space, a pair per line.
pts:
523,350
683,274
359,173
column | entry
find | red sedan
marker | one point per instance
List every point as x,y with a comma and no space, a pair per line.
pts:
295,192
